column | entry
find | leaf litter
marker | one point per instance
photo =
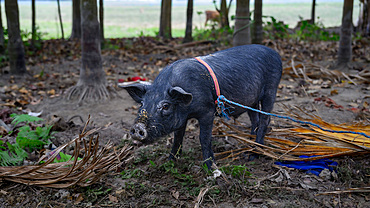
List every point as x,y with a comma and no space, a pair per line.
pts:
306,66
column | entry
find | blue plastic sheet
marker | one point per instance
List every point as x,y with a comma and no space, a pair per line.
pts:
313,166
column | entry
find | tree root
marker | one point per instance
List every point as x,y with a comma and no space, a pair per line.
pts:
91,93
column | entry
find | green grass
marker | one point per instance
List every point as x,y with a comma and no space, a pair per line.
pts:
128,21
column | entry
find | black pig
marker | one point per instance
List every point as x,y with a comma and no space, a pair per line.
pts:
248,75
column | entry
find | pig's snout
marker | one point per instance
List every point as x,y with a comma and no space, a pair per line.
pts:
138,132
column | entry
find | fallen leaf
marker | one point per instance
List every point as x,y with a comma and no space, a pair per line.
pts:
112,198
120,191
354,105
3,192
41,92
34,114
23,90
257,200
3,131
366,105
176,194
14,87
334,92
35,102
23,102
307,187
51,92
79,198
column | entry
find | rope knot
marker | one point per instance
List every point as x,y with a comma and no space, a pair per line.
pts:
221,109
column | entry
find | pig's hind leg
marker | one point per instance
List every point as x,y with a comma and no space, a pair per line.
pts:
267,104
254,117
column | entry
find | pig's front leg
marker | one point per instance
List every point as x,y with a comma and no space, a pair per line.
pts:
205,137
177,143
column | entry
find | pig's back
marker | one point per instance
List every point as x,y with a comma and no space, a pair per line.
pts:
246,73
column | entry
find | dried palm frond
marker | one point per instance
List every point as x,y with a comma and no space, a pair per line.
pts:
82,172
302,139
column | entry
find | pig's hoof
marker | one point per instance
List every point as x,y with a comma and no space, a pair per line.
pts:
174,157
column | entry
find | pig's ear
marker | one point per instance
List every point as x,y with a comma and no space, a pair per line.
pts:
180,96
136,90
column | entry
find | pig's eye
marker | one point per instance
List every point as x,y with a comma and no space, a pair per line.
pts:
165,106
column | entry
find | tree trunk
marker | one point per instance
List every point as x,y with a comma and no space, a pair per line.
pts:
33,24
76,20
101,20
363,22
242,28
189,22
165,20
15,45
313,12
224,13
367,33
345,48
60,19
92,81
257,25
2,46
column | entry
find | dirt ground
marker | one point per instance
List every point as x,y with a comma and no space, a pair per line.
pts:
153,181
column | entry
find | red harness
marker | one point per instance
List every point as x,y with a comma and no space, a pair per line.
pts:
213,75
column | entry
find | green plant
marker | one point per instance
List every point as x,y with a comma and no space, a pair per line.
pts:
64,158
94,194
239,171
126,174
276,29
24,118
14,156
33,138
28,136
169,167
222,34
152,164
314,32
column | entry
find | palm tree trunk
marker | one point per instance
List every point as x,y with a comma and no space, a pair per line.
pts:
367,33
33,24
101,20
242,35
313,12
345,48
189,22
257,25
165,20
92,82
15,45
60,19
224,13
76,20
2,46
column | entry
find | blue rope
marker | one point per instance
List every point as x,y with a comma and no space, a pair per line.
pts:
220,103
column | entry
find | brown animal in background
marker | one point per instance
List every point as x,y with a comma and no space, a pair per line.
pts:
213,16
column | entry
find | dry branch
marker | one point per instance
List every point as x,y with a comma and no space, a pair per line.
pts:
94,163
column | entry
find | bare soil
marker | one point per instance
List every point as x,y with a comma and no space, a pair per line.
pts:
151,180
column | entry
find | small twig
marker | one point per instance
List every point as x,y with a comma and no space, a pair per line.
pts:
351,190
201,194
